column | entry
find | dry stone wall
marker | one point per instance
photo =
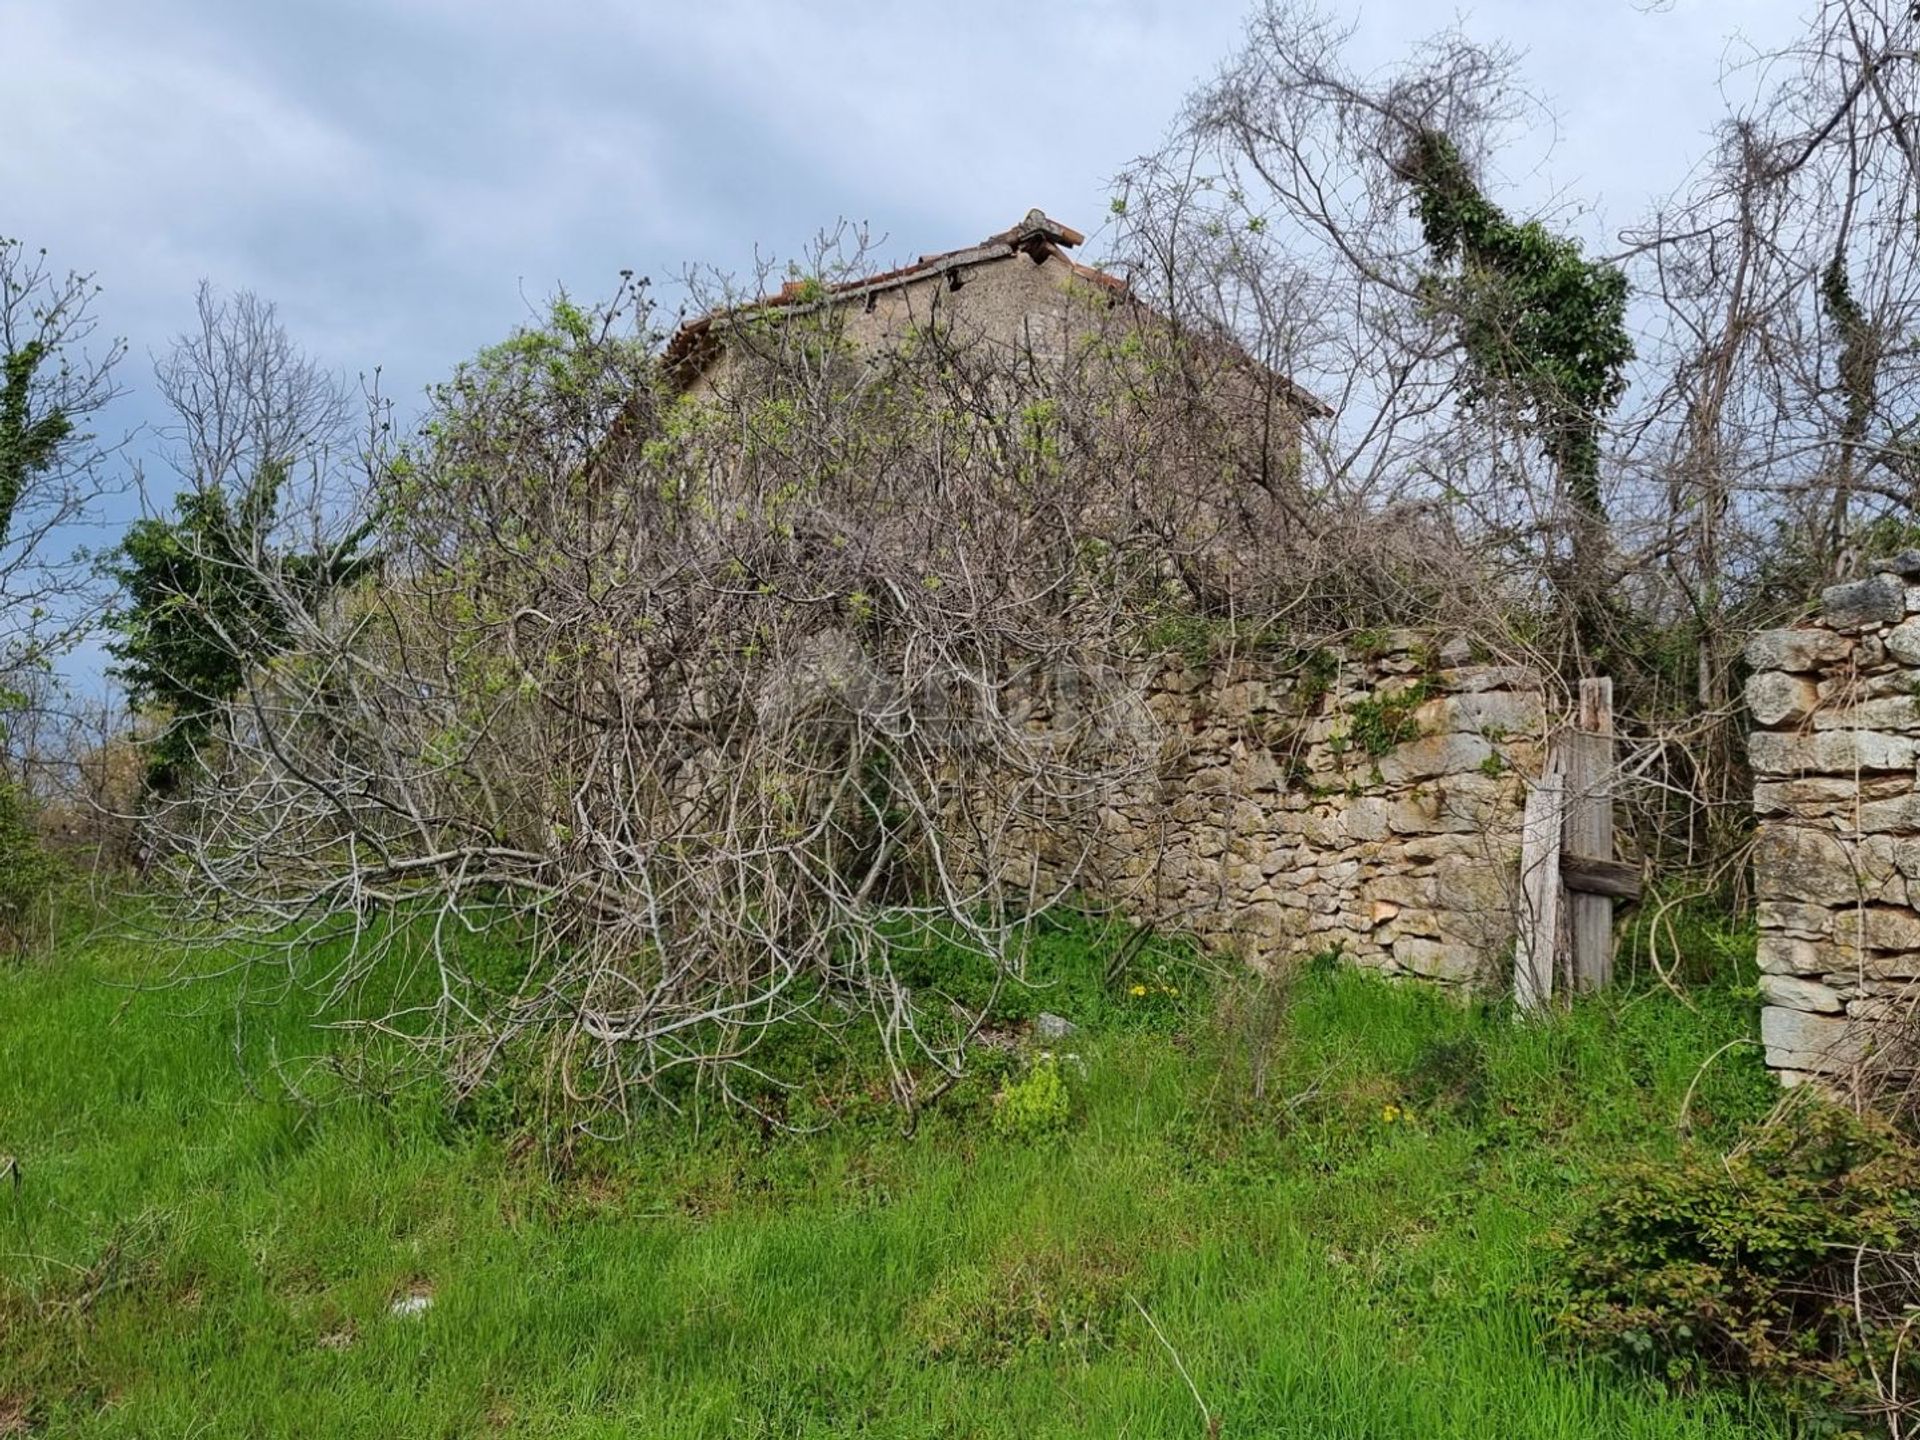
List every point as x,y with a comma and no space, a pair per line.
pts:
1365,801
1835,705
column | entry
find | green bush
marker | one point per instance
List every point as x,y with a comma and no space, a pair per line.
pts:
27,874
1789,1262
1037,1106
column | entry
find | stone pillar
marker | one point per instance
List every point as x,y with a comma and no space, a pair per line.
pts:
1835,704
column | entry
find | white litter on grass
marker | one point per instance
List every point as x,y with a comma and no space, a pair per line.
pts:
410,1305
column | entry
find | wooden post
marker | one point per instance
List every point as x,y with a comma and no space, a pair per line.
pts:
1536,953
1589,832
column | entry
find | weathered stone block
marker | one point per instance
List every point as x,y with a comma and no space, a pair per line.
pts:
1898,814
1273,924
1881,927
1900,966
1808,922
1899,713
1420,849
1824,1044
1776,698
1904,563
1430,810
1338,875
1903,642
1434,755
1796,862
1858,604
1816,797
1831,752
1796,993
1369,818
1800,650
1846,689
1437,960
1790,955
1494,712
1410,892
1473,882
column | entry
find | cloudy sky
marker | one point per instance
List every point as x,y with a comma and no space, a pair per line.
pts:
406,178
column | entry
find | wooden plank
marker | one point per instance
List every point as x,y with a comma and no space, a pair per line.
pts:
1589,831
1536,952
1590,875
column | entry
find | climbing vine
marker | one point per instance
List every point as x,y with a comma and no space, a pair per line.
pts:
1859,350
28,444
1537,319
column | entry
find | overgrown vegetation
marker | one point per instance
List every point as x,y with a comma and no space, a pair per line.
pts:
1379,723
1794,1260
27,874
609,912
1342,1248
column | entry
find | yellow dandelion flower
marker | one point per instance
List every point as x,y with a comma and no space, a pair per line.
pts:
1389,1113
1138,990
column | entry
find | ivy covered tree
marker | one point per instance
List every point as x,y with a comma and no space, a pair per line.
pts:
29,443
212,591
208,596
1539,322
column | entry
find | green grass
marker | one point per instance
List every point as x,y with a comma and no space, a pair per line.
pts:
192,1251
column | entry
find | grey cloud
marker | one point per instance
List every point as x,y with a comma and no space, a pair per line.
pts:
405,176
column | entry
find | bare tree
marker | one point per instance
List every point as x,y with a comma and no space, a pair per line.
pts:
1640,514
1769,441
54,381
1334,221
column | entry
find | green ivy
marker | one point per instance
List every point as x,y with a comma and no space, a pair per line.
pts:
1380,722
1535,316
27,445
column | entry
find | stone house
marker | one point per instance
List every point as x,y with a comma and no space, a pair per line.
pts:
1018,292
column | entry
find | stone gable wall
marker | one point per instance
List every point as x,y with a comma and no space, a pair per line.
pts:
1835,705
1367,802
